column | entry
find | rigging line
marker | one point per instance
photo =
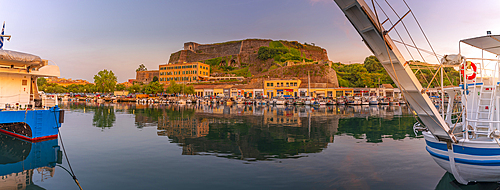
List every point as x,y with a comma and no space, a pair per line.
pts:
408,32
414,17
451,83
387,49
423,76
399,85
435,74
426,51
395,29
64,151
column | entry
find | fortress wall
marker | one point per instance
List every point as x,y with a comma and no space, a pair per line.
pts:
314,55
249,50
223,49
174,57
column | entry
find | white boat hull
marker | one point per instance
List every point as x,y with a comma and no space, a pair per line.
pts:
475,161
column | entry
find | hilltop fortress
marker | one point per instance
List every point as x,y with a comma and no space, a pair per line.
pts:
242,51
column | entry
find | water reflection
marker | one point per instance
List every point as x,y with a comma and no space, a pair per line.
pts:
104,116
20,160
449,182
258,132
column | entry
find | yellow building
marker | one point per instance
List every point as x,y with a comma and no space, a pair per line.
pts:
282,87
184,72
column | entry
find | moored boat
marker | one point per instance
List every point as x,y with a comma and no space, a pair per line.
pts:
463,136
25,112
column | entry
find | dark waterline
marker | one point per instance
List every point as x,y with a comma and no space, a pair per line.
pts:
132,146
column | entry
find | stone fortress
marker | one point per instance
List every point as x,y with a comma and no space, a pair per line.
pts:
242,51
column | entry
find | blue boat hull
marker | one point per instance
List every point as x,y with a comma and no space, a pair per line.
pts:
32,125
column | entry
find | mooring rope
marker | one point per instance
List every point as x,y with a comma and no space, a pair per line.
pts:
65,155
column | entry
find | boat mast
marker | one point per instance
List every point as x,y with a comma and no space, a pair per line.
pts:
381,45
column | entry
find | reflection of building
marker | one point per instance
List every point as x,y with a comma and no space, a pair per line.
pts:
184,72
183,128
24,180
281,117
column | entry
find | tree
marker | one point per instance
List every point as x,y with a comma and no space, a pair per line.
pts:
155,79
120,87
372,64
153,88
105,81
41,81
141,68
134,88
89,88
174,88
188,89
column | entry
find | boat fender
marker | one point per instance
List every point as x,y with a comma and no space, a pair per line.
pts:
61,116
495,135
474,67
471,132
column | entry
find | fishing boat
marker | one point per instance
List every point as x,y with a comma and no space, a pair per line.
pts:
25,112
331,101
461,136
280,101
373,100
365,101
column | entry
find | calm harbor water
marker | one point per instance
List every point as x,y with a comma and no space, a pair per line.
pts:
133,146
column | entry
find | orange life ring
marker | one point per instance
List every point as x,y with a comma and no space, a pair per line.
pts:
474,67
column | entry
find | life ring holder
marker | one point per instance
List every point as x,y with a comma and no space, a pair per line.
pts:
474,67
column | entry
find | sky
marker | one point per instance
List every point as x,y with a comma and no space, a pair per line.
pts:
85,37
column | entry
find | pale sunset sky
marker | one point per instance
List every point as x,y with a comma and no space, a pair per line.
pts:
84,37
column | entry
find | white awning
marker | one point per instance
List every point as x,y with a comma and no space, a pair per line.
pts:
490,43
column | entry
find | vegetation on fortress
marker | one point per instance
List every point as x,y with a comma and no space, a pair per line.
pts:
280,53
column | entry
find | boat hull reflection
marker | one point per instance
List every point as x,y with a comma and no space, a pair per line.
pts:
19,160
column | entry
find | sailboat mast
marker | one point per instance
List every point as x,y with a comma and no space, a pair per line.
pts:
308,84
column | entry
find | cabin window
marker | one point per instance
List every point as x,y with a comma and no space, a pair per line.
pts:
25,82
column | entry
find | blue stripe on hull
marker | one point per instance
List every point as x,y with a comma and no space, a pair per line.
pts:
465,161
466,150
42,122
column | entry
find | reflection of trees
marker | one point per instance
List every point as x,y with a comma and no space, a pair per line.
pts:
104,117
247,138
150,115
374,128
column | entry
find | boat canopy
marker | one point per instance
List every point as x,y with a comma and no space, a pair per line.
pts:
19,58
489,43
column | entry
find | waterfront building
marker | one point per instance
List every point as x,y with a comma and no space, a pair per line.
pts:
184,72
146,76
317,90
282,87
